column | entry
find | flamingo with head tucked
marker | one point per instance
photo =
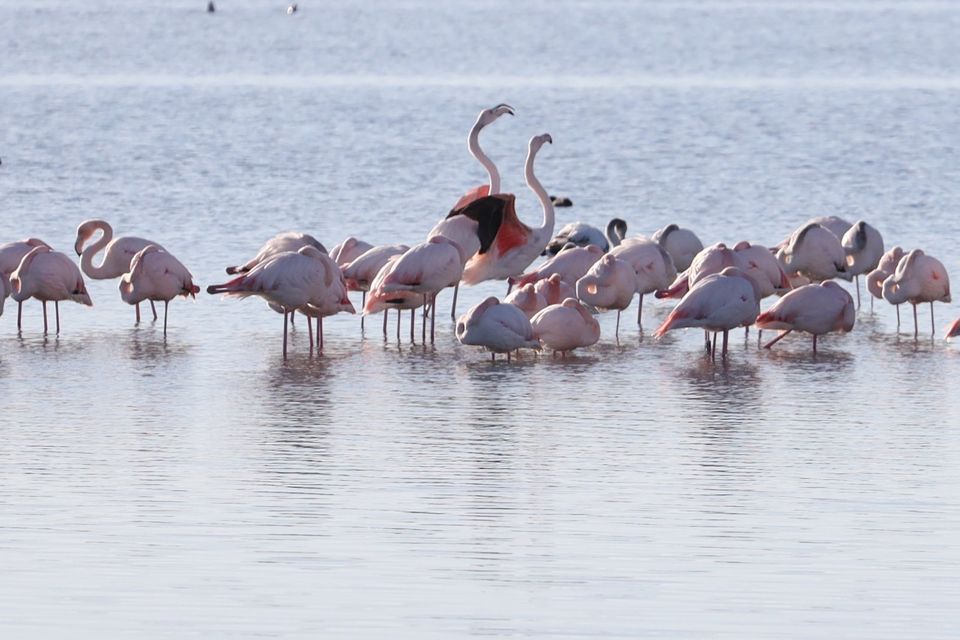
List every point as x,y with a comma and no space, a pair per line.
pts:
280,243
156,275
499,328
379,300
11,254
349,250
681,244
527,299
815,252
652,264
582,234
570,264
918,278
814,308
48,275
864,247
884,269
609,284
565,326
118,253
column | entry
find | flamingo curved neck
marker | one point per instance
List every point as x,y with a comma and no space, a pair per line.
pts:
86,258
473,144
545,201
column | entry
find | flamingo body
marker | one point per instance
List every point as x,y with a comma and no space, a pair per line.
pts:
570,264
288,241
814,308
815,252
349,250
718,302
527,299
609,284
499,328
361,271
681,244
565,326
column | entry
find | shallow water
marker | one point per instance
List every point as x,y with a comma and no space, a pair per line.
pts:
200,486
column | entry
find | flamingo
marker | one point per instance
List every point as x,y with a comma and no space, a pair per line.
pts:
834,224
360,272
379,300
570,264
681,244
290,280
918,278
48,275
117,253
609,284
514,245
280,243
884,269
708,261
652,264
156,275
349,250
953,330
527,299
333,301
815,252
565,326
11,254
427,269
554,290
582,234
466,231
864,247
500,328
718,302
761,266
814,308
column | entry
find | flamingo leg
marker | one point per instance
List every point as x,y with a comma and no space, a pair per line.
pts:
310,333
493,357
56,310
933,328
780,337
433,317
915,333
713,348
616,334
423,322
384,323
19,316
857,280
319,333
453,308
871,304
898,317
508,356
706,341
759,336
413,323
154,309
137,307
284,334
292,316
363,303
639,309
166,307
814,344
724,352
44,317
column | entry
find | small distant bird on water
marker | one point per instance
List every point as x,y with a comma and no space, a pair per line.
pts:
292,9
211,7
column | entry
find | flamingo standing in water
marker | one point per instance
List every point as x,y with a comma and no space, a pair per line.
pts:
48,275
527,299
349,250
582,234
290,281
609,284
884,269
118,253
918,278
427,269
554,290
718,302
379,300
156,275
500,328
360,272
814,308
514,245
864,247
565,326
11,254
570,264
652,264
465,231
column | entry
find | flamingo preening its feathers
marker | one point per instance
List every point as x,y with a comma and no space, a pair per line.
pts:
156,275
48,276
918,278
11,254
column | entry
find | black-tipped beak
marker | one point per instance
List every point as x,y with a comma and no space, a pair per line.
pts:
507,107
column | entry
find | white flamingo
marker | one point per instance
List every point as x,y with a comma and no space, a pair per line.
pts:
499,328
156,275
48,276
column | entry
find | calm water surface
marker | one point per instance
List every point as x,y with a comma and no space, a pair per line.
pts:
201,487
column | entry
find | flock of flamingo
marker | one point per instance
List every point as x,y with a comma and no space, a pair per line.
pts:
587,271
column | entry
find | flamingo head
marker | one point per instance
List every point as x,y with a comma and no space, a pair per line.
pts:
490,115
537,141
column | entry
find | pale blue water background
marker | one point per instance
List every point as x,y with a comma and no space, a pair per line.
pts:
203,488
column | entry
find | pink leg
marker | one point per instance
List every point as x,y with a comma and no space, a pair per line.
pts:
915,332
44,317
423,322
284,335
363,303
56,309
453,308
639,309
319,333
724,353
137,307
433,317
166,307
384,323
310,334
780,337
413,322
154,309
814,344
933,329
616,334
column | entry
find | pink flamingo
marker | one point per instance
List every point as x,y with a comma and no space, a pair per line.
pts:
290,281
681,244
953,330
554,290
500,328
360,272
570,264
513,245
117,253
280,243
884,269
427,269
565,326
48,275
815,252
527,299
718,302
652,264
918,278
156,275
11,254
349,250
708,261
864,248
814,308
609,284
463,230
379,300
